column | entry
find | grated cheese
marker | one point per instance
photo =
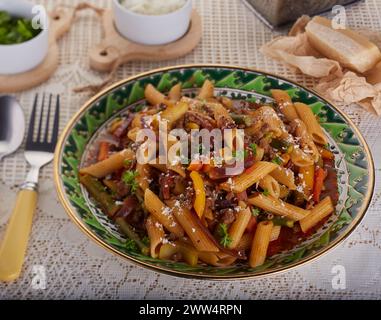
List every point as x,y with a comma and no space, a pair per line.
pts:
153,7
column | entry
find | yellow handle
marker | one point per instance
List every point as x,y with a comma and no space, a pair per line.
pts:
13,247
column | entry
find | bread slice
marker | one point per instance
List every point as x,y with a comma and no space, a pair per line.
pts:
350,49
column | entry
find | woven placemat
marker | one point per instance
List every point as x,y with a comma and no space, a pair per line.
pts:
76,268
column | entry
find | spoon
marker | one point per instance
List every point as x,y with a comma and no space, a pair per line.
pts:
12,125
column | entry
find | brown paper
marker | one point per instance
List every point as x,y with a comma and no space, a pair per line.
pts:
299,26
345,87
298,53
352,88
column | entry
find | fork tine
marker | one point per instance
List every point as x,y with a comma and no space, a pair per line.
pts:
56,122
39,135
46,136
32,121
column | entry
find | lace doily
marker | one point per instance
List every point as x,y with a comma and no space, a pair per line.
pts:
69,265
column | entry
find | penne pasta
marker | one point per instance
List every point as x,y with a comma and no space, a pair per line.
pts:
167,250
239,225
260,152
200,237
222,116
285,104
318,213
174,112
266,116
260,244
178,168
251,176
212,205
305,139
301,159
154,96
142,178
216,260
207,90
271,185
278,207
307,116
110,165
188,252
284,191
227,102
156,235
132,134
306,176
275,233
175,93
137,122
284,176
162,213
245,242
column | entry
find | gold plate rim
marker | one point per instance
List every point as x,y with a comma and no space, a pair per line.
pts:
262,274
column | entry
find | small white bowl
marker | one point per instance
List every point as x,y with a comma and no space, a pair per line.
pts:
152,29
22,57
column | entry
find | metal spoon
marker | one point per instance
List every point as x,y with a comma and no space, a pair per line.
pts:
12,125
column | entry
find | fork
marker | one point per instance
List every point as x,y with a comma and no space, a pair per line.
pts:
39,151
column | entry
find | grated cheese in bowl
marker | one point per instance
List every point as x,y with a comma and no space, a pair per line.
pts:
153,7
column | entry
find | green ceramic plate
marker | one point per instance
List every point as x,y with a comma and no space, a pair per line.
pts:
353,162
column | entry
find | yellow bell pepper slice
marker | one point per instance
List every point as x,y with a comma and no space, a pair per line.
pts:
199,188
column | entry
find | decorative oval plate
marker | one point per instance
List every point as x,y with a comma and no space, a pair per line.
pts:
353,162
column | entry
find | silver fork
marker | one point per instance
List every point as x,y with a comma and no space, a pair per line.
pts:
39,152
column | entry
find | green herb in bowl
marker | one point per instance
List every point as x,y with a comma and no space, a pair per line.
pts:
14,30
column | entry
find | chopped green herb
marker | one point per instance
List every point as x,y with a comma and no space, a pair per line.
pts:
146,241
15,30
282,145
131,246
139,108
255,212
277,160
279,221
242,119
127,162
253,147
225,240
129,178
266,192
240,155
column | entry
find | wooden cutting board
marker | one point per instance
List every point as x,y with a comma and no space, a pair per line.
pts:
113,51
59,25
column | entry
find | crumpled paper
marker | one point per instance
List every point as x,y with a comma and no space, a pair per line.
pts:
296,52
337,84
352,88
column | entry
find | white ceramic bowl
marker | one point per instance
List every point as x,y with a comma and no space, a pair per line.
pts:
17,58
152,29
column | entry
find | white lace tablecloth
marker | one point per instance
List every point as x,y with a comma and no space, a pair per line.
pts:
70,266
